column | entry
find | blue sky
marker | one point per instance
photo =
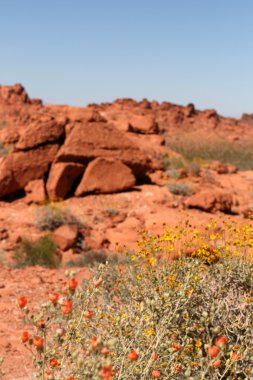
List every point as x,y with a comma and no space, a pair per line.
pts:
84,51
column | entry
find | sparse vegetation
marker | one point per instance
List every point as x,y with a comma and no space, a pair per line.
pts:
194,145
110,211
179,167
180,188
4,149
190,318
42,252
208,176
173,173
194,168
172,162
53,215
91,258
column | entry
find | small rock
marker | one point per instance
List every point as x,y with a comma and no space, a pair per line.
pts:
65,236
211,200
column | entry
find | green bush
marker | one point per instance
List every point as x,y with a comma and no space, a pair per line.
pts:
42,252
52,216
180,188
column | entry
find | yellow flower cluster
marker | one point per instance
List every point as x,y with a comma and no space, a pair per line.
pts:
206,253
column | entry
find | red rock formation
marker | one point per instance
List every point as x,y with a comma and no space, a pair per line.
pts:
19,168
211,200
65,236
105,175
61,178
143,124
88,141
42,131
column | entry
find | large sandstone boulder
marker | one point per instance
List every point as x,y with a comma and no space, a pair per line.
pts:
105,175
145,124
19,168
62,177
211,200
88,141
42,131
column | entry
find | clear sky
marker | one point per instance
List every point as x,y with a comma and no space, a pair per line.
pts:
84,51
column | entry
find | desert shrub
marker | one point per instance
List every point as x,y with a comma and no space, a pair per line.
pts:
4,149
177,320
91,258
194,168
180,188
110,211
208,176
194,145
42,252
53,215
166,162
172,162
173,173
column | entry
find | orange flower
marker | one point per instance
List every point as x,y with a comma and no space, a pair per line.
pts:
106,372
132,355
235,356
22,301
154,356
213,351
176,347
54,297
216,363
94,342
53,362
25,336
72,283
67,307
88,314
38,342
156,374
221,341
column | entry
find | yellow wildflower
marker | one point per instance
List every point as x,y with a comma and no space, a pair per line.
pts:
198,343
